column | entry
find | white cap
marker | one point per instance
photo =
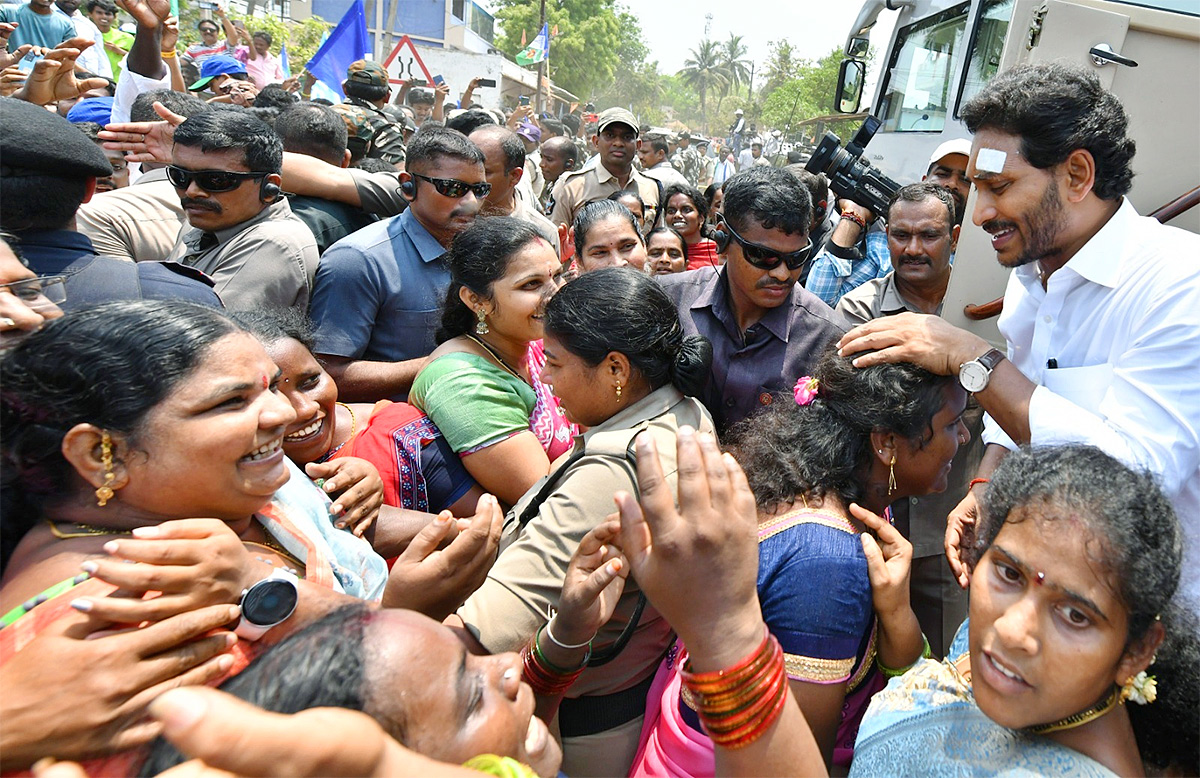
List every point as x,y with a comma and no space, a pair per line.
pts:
739,111
956,146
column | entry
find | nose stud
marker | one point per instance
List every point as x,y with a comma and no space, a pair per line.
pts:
1041,578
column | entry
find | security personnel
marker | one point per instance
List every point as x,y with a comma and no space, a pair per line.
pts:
616,138
686,160
360,132
366,86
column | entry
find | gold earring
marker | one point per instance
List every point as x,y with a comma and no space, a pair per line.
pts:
892,475
105,492
481,327
618,391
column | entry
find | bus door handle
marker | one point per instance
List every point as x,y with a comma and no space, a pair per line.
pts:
1103,54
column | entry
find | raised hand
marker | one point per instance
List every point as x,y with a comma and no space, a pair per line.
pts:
147,13
53,77
674,553
436,581
170,34
358,490
144,141
593,585
889,561
7,59
960,535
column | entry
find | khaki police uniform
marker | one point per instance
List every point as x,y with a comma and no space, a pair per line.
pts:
574,190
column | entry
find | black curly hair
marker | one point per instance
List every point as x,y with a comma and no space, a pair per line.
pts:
1141,550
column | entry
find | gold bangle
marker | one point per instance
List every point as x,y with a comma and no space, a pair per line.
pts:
168,54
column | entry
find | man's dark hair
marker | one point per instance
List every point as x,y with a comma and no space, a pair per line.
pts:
185,104
922,191
107,5
566,147
657,143
368,92
469,121
772,196
552,128
816,184
420,97
313,130
430,145
264,35
374,165
1056,108
274,96
90,129
510,144
224,130
572,121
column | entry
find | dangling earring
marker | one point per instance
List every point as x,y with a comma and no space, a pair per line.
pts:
481,327
618,390
105,492
892,475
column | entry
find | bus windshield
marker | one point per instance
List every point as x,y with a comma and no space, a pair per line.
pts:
918,91
987,46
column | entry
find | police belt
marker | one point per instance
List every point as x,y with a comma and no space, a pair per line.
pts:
591,715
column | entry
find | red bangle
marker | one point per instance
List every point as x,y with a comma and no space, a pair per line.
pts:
977,481
738,705
855,218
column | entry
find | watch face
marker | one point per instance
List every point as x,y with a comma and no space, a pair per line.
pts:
973,376
269,602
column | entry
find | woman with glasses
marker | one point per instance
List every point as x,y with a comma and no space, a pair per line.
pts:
479,386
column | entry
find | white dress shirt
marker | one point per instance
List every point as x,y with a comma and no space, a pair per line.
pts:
1121,320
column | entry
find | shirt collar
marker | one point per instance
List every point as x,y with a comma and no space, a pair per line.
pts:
652,405
427,245
890,300
227,234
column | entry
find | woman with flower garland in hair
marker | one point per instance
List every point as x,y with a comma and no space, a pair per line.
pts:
1076,660
852,436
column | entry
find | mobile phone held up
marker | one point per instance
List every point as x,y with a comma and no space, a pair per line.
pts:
26,63
438,80
487,82
523,100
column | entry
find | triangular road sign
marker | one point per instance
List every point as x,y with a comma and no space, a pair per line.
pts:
406,63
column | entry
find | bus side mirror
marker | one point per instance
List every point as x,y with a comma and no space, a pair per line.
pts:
850,86
857,48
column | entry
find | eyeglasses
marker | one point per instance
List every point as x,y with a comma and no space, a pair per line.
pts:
765,258
452,187
40,292
212,181
209,29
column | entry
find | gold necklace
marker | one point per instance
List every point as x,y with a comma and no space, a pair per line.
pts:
1105,705
85,530
353,426
292,560
495,355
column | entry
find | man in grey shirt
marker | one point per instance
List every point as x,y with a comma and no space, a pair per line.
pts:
242,233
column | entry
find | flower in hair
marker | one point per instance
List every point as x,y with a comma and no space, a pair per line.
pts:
1142,689
805,390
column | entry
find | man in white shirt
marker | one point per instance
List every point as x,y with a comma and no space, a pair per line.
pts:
1102,311
93,59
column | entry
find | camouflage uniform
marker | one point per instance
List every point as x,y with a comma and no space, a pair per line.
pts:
360,134
388,143
688,162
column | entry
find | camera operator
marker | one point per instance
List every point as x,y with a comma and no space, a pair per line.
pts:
857,250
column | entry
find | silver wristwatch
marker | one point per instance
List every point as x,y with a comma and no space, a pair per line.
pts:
974,375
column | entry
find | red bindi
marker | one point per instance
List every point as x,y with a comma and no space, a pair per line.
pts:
266,383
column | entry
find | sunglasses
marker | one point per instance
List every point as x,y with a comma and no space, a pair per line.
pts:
765,258
452,187
38,293
212,181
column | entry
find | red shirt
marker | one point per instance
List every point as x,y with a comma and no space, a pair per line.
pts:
702,253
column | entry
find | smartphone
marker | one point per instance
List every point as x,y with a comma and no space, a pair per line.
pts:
207,5
523,100
420,83
26,63
438,80
487,82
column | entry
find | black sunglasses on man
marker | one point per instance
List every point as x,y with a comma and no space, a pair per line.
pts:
765,258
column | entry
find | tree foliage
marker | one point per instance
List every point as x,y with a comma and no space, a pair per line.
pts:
806,94
703,72
592,37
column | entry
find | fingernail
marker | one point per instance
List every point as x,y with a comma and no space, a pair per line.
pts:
179,709
686,431
82,605
603,550
336,510
442,519
146,532
111,547
615,565
340,525
231,640
89,567
42,765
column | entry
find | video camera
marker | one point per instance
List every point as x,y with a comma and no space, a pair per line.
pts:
850,176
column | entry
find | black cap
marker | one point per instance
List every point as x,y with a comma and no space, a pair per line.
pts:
40,141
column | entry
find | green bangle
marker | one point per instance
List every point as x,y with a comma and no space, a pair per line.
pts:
889,672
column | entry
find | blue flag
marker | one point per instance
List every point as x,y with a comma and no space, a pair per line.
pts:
283,61
345,44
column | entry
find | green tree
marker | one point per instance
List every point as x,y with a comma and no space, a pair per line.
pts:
702,71
807,95
734,65
585,53
781,65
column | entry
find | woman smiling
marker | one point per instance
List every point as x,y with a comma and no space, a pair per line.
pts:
686,210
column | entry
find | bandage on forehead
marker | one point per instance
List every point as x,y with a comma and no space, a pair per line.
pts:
990,160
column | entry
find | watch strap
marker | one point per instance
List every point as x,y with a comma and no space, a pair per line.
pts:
991,359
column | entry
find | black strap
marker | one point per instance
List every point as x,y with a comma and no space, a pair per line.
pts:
599,658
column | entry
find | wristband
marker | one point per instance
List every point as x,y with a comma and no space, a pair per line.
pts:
976,481
853,217
168,54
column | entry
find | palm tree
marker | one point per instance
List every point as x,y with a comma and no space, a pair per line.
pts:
733,65
702,72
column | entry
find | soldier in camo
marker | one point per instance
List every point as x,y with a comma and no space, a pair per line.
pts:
366,87
359,132
686,160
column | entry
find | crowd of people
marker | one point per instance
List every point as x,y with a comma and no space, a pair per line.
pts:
442,439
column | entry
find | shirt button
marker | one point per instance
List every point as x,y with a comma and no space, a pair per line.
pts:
729,403
912,500
1047,318
764,398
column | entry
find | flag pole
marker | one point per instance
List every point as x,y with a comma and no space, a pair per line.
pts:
541,73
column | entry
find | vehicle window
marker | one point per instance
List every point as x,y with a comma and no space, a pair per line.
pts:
987,47
918,92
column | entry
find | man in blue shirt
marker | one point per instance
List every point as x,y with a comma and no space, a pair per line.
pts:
378,293
36,24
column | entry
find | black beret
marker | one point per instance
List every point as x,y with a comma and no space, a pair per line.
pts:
40,141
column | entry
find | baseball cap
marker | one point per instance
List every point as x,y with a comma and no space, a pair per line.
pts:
366,72
739,111
956,146
221,64
93,109
685,134
529,132
612,116
32,138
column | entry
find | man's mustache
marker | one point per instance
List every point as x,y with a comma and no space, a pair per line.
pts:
208,205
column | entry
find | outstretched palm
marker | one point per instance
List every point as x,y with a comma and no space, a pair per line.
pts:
147,13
